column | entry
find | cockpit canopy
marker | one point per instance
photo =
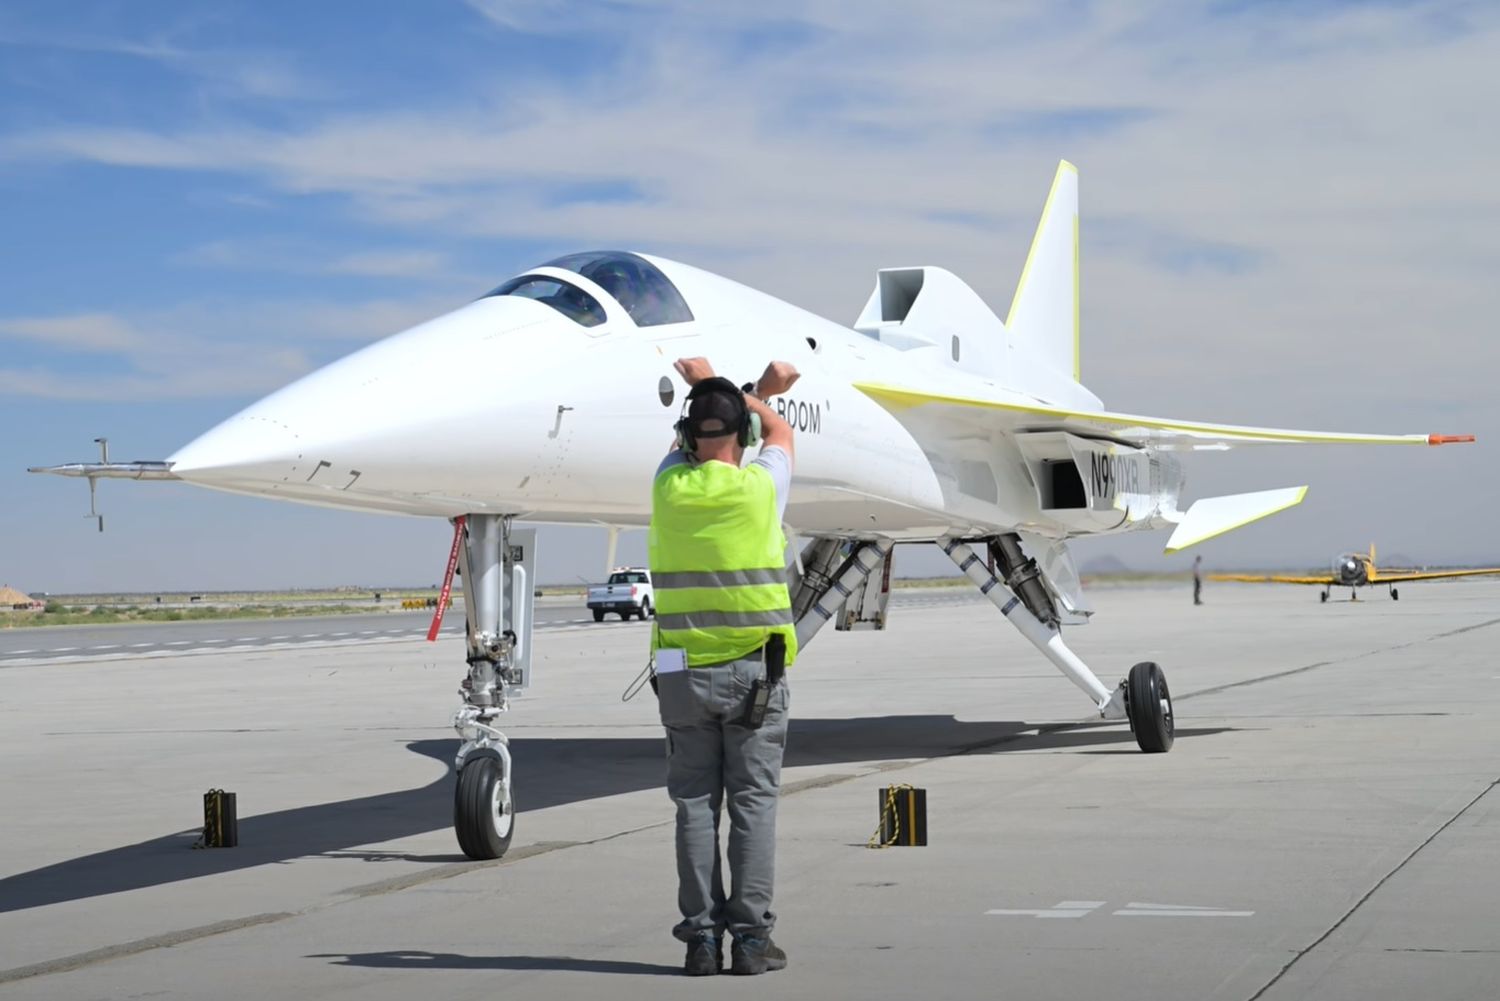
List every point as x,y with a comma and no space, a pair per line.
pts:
569,300
634,282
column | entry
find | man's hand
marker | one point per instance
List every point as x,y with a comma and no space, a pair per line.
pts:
694,370
778,377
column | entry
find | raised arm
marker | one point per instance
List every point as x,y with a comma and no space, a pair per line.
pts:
778,377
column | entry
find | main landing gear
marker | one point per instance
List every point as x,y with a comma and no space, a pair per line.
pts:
1142,697
496,563
832,575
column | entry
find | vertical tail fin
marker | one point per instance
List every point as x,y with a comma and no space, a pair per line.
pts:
1044,313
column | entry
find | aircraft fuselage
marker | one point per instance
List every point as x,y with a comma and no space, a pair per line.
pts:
507,405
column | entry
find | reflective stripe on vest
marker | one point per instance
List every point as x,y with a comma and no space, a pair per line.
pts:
716,555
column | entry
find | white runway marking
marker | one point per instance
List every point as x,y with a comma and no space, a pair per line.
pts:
1064,909
1082,908
17,653
178,643
107,646
137,646
1134,910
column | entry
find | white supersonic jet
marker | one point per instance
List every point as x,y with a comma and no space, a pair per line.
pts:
930,421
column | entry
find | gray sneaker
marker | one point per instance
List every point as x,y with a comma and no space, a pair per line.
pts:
751,956
705,957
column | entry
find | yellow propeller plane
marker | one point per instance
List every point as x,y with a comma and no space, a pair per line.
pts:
1354,571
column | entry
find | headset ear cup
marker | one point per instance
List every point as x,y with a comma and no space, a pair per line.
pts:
685,437
752,430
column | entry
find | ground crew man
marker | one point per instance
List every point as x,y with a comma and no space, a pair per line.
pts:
722,638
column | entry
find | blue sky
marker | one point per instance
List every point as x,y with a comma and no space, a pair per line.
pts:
1287,215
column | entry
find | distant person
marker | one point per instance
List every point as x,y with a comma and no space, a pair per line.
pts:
1197,580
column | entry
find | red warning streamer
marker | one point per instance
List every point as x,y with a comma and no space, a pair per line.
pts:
447,592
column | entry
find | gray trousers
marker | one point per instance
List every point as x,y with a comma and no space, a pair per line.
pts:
711,760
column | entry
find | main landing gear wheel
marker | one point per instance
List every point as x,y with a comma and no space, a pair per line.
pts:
484,809
1148,703
1395,594
1323,597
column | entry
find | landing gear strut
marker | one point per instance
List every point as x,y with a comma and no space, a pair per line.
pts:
830,572
1024,600
495,562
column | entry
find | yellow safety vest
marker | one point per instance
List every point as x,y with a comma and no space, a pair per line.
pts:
717,557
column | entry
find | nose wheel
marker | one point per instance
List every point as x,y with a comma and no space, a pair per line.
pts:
484,808
1148,704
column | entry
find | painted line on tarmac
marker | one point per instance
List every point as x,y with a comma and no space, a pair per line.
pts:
36,655
1136,910
1328,663
1371,891
78,960
1063,909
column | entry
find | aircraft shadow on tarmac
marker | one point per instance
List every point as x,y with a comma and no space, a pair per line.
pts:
550,772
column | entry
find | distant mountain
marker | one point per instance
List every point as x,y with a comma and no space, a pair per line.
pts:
1105,565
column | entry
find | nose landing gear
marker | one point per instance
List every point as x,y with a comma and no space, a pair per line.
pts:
496,564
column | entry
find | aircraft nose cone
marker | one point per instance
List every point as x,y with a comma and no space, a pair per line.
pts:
245,447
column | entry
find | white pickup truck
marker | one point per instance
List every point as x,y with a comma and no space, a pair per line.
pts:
628,591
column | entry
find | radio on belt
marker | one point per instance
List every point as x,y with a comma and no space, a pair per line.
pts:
760,689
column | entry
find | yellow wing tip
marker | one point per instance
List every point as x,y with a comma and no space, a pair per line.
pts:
1066,165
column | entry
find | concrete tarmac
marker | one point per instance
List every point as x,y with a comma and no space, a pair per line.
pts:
1324,828
132,640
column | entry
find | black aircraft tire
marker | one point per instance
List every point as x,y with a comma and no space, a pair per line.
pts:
484,824
1395,594
1145,691
1323,597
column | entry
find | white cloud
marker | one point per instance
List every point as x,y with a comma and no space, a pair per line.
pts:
221,72
306,257
87,332
393,264
197,350
1339,152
